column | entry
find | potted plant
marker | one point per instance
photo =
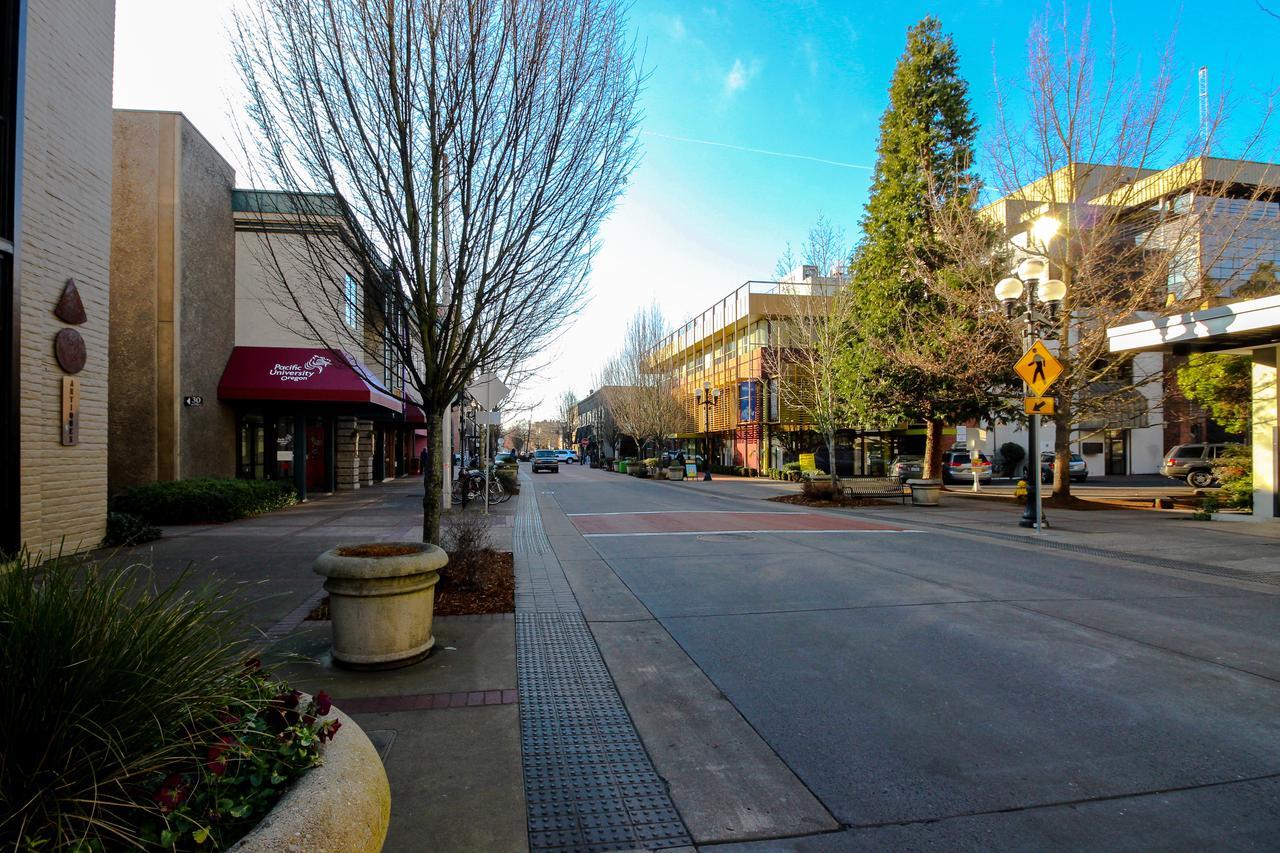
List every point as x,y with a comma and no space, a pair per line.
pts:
925,492
381,601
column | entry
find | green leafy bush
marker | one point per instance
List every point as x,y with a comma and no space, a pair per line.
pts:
510,480
130,717
1234,471
126,529
203,500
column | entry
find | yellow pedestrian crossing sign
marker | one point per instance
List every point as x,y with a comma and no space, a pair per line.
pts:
1038,368
1040,405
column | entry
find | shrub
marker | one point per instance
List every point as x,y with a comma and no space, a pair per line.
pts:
652,462
791,466
126,529
204,499
466,539
1234,471
510,480
130,717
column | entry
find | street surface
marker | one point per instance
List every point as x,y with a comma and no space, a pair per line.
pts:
930,687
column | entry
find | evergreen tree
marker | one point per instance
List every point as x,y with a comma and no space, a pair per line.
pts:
917,354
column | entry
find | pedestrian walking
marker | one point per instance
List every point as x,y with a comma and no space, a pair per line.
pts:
422,461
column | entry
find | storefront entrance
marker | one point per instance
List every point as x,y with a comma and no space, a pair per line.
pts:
1117,461
317,456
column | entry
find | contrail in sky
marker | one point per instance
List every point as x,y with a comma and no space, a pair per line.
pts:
758,151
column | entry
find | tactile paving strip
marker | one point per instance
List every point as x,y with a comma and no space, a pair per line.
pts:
589,784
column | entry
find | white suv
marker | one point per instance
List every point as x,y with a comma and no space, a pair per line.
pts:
568,457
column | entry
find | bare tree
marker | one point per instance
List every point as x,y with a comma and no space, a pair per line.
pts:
812,337
567,414
1148,221
463,155
642,393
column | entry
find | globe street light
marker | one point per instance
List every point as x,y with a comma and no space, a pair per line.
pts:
707,397
1040,300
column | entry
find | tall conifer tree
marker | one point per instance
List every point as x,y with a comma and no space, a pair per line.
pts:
905,337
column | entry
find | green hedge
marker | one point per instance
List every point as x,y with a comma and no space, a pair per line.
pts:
204,500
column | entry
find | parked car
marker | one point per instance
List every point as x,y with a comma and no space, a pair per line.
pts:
907,467
524,456
957,468
568,457
546,460
504,460
1077,468
1193,463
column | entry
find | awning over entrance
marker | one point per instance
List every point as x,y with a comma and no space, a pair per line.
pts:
301,374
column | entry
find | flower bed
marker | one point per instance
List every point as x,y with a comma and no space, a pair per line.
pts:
132,719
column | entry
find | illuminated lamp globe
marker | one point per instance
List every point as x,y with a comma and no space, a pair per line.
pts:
1009,290
1052,290
1031,269
1044,229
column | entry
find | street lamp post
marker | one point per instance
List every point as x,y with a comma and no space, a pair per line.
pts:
707,397
1028,296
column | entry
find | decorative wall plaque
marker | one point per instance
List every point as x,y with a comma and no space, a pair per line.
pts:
70,410
70,309
68,346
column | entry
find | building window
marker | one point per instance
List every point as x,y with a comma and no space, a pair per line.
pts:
351,300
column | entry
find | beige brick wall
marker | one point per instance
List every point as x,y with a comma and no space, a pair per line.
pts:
66,233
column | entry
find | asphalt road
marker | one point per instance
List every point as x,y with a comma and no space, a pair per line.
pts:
939,690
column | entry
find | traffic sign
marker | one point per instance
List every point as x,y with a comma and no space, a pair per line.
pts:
1040,405
1038,368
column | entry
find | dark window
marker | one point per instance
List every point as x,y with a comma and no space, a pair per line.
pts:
1193,451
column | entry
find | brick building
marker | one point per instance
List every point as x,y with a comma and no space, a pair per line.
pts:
55,192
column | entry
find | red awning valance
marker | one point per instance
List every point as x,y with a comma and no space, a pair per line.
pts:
302,374
413,414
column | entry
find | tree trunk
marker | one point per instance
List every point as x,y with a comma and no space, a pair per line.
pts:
433,478
932,450
1061,453
831,459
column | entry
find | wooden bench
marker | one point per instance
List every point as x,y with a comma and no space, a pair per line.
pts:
875,487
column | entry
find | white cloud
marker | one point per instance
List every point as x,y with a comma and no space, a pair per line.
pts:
739,76
675,28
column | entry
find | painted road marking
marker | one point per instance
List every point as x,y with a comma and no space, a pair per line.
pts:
725,532
699,511
697,521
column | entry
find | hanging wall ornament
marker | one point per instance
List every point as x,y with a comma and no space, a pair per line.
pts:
68,347
70,309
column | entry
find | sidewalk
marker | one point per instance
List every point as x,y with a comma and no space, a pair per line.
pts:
447,728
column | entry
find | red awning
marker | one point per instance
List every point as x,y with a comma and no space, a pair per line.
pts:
302,374
413,414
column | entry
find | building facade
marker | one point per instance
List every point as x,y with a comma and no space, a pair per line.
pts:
236,353
1214,226
55,190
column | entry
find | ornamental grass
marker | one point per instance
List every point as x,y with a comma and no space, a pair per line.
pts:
130,716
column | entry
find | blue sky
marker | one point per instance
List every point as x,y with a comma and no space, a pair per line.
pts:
803,78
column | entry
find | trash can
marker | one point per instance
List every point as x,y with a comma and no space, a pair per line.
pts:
925,492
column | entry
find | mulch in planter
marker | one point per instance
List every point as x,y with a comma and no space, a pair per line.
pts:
839,501
494,591
377,549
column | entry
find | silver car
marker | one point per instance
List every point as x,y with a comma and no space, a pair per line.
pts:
907,467
1077,468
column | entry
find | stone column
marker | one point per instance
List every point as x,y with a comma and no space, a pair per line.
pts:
365,429
1266,435
347,454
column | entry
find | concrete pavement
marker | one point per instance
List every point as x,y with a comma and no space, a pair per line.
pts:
963,687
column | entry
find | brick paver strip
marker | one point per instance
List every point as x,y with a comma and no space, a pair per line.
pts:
426,701
694,522
589,783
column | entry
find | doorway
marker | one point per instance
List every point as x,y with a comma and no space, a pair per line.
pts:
1117,456
317,456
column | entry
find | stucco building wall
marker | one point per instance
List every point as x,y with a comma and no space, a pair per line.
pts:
65,222
173,255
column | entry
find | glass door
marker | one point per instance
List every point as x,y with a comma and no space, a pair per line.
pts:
1117,462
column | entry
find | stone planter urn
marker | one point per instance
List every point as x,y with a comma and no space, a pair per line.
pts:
343,805
381,599
675,473
925,492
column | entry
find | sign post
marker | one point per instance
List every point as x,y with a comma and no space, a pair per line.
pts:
1039,370
489,392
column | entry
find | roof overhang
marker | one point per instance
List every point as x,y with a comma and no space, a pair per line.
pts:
1240,326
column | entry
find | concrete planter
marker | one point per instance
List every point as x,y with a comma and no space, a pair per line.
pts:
381,599
925,492
341,806
675,473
